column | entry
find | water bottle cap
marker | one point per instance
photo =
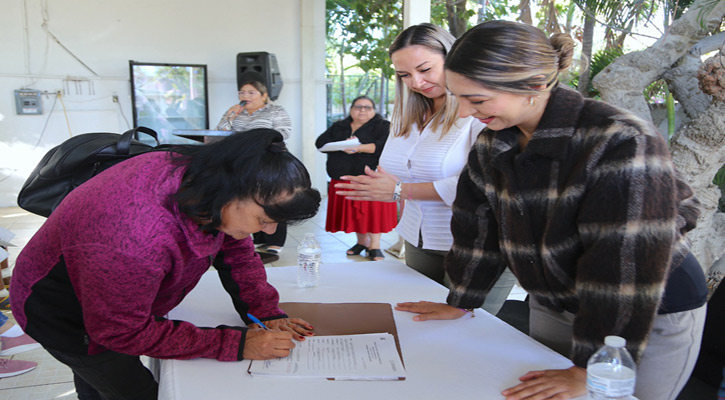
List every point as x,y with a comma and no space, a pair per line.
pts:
615,341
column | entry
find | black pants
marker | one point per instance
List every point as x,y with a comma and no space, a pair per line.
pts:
276,239
109,376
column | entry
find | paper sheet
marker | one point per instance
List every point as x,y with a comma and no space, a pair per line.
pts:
341,357
341,145
5,237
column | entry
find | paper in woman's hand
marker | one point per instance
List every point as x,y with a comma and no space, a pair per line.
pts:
340,146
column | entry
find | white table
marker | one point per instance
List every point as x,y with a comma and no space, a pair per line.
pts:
466,358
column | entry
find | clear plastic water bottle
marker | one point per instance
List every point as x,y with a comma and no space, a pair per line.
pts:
309,254
611,371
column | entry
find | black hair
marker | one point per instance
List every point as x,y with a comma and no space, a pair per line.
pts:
253,165
363,97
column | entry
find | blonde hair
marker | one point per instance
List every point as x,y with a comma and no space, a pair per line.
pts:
511,57
418,109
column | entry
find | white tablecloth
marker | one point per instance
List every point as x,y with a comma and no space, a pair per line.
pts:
473,358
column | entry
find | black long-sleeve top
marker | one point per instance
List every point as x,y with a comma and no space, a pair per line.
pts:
340,163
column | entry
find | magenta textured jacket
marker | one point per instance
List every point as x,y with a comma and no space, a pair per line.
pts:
117,255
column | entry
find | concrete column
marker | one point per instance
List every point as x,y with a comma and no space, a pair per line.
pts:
415,12
312,91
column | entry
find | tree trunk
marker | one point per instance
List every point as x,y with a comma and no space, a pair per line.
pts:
616,40
586,56
380,94
456,22
525,12
569,18
623,82
698,149
342,82
698,152
482,7
551,20
682,79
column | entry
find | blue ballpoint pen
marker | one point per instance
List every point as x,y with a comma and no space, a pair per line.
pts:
256,321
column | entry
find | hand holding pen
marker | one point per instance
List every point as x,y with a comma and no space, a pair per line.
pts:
297,326
257,321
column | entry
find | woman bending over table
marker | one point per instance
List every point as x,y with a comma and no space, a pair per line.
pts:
94,284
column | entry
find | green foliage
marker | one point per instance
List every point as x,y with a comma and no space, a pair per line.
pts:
498,9
656,92
719,180
703,12
438,13
670,112
675,8
367,84
441,15
602,58
364,30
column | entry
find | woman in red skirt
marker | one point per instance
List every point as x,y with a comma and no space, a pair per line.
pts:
368,219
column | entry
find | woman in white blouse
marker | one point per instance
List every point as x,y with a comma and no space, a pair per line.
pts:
425,152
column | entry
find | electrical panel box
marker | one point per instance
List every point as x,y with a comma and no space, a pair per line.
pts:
27,102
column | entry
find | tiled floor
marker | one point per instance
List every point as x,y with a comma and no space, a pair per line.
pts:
53,380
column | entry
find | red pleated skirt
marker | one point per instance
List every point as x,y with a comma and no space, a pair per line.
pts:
358,216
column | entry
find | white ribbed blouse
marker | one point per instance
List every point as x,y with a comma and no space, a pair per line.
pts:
426,157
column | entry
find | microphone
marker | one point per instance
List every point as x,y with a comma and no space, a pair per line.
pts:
234,114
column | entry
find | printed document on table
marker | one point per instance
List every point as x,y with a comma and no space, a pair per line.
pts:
370,356
341,145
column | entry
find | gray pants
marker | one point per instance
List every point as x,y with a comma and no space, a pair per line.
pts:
430,263
667,362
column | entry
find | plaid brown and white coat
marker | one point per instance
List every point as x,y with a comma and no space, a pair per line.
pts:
590,217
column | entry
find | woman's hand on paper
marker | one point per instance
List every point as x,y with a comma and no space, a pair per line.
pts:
261,344
427,310
373,186
297,326
550,384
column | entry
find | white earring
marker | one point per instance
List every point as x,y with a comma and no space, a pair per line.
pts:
532,101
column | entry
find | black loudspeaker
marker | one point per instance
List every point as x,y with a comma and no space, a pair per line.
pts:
260,66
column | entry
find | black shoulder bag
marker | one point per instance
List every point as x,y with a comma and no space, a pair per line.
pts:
78,159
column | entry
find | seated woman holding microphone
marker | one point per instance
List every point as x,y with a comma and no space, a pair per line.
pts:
254,111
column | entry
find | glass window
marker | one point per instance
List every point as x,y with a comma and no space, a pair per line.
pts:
166,97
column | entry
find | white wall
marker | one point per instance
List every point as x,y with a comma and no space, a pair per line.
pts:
106,34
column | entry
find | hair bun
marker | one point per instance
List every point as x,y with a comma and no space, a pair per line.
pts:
563,44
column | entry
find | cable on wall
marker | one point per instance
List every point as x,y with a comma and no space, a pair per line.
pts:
59,96
123,115
47,119
44,25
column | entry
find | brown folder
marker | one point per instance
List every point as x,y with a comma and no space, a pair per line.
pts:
346,318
